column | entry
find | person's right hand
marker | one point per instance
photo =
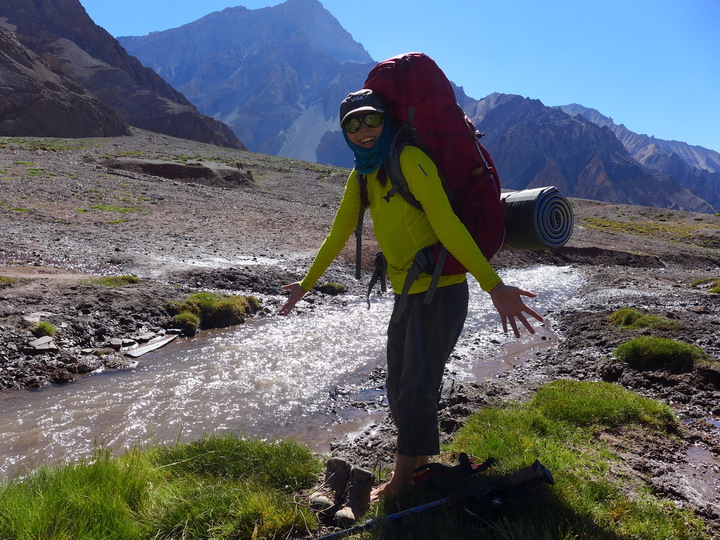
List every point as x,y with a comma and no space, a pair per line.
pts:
509,304
296,293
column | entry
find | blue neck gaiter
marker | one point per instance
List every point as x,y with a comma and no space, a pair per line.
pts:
369,159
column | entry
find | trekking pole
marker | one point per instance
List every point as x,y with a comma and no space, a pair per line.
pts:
524,482
370,523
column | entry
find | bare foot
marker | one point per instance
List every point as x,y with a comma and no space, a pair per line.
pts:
388,489
401,477
380,492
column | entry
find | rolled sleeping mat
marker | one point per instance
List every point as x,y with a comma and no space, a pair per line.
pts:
536,219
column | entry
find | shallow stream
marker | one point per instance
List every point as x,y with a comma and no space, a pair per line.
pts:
272,377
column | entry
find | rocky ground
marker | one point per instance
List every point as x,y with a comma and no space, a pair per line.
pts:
185,217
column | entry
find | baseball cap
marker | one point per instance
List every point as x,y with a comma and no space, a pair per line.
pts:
364,100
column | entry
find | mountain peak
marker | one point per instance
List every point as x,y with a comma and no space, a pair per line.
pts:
240,28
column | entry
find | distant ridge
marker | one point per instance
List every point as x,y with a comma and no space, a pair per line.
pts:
695,167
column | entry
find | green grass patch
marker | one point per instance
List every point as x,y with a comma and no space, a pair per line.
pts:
632,318
17,209
36,171
692,234
114,281
212,310
112,208
44,328
602,404
219,487
187,322
563,427
332,288
650,353
46,144
711,284
7,281
227,488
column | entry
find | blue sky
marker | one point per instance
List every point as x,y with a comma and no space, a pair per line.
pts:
653,65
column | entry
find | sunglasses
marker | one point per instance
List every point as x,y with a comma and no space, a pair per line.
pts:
372,120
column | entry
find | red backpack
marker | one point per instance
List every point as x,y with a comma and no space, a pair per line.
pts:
424,102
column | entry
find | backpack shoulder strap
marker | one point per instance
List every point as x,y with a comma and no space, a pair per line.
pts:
423,259
397,178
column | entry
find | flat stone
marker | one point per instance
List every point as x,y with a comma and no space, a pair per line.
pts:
34,318
45,344
41,341
150,346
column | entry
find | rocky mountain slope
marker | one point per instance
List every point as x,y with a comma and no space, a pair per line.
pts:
534,145
695,167
274,75
70,44
35,100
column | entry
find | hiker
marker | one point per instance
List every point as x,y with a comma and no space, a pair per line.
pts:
421,337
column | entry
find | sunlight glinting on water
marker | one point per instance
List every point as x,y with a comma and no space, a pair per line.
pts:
264,378
483,335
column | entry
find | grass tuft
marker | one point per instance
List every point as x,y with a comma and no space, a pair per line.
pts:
712,285
651,353
601,403
632,319
114,281
332,288
112,208
86,500
205,310
7,281
44,328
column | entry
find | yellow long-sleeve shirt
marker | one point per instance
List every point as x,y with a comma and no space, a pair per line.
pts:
401,230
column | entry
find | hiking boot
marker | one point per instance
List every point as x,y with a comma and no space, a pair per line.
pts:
337,474
357,499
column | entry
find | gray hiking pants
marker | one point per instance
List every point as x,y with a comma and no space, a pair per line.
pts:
419,344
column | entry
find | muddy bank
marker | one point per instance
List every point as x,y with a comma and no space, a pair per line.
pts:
73,210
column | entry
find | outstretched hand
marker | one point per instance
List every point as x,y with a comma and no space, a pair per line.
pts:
296,293
509,304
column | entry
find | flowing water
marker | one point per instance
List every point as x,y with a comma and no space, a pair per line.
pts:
272,377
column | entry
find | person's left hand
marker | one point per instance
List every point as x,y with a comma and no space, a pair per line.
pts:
509,304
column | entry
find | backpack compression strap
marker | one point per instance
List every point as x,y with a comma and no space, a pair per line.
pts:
358,231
